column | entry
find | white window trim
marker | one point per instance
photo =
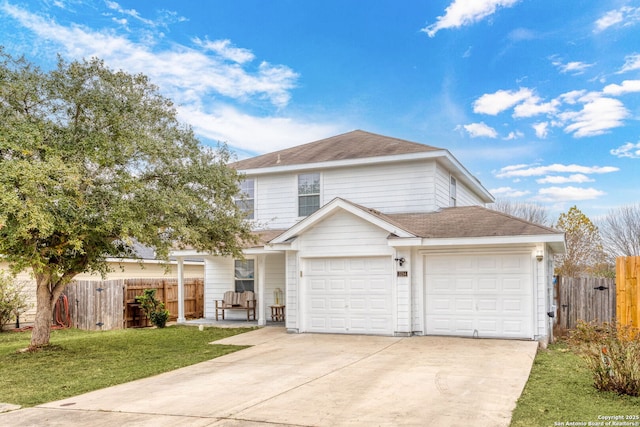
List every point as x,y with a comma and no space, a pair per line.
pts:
297,180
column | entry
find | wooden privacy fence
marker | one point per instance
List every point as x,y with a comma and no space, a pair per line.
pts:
591,299
110,304
627,292
167,292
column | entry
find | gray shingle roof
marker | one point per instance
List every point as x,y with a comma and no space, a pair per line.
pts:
357,144
467,221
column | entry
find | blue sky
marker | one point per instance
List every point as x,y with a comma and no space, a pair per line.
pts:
538,99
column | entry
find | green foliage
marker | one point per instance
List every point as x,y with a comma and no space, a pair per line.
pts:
83,361
612,354
585,254
94,160
153,308
13,300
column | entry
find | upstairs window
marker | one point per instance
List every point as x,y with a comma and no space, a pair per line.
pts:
453,190
308,193
246,201
244,275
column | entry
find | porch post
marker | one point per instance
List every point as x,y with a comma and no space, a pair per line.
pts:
262,272
181,318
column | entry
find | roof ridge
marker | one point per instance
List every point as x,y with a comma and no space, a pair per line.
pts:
353,145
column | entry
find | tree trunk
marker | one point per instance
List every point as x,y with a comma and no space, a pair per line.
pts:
46,296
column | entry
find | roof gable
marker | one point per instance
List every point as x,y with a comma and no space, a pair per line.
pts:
370,215
353,145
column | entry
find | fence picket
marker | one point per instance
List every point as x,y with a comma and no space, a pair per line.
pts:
590,299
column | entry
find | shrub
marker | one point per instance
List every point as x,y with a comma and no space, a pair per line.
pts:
612,353
13,300
153,308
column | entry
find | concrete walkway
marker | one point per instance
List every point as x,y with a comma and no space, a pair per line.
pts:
315,380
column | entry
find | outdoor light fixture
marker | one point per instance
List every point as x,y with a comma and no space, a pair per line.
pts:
539,255
400,261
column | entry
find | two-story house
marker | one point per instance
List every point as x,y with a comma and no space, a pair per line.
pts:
368,234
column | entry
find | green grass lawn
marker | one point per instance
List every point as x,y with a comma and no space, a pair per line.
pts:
560,391
82,361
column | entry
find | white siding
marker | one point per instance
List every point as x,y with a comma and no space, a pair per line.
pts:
275,278
218,279
389,188
441,186
344,234
403,293
292,292
464,196
276,201
417,292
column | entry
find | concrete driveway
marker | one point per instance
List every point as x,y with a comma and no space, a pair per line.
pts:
315,380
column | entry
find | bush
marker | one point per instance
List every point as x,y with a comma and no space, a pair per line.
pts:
153,308
13,300
612,354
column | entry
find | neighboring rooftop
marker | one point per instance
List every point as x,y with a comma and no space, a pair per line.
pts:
357,144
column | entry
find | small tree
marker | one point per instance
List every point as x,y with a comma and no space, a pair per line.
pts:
584,253
93,161
13,300
153,308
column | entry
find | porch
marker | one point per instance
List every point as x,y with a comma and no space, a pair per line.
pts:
261,272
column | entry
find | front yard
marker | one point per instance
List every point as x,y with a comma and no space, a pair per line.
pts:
560,392
80,361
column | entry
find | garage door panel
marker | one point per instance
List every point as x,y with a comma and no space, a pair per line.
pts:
487,306
487,294
358,296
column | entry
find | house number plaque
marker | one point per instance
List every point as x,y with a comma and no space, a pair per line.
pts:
403,274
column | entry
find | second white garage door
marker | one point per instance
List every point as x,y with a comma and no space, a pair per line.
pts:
349,295
489,295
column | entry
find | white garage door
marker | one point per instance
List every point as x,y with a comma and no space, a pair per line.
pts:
483,295
349,295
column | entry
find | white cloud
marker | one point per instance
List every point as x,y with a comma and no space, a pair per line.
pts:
573,96
184,74
533,107
598,115
466,12
508,192
631,63
555,179
129,12
476,130
524,170
514,135
226,50
542,129
627,86
626,15
629,150
495,103
574,67
255,134
566,194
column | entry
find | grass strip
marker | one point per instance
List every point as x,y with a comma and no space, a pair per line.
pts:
560,392
81,361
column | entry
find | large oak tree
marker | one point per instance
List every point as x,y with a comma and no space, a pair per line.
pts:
93,160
